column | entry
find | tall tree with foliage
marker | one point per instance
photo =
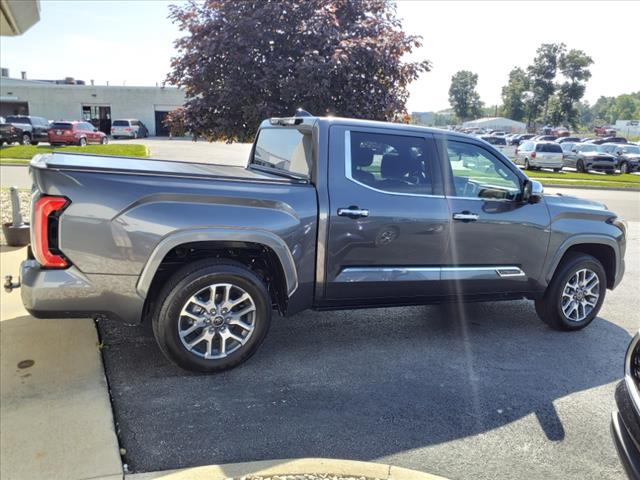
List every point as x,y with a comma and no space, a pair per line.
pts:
243,61
463,97
513,104
574,66
543,74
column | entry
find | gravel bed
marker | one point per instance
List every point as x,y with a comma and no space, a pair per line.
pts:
5,207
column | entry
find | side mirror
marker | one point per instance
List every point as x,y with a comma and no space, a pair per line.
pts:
574,150
532,191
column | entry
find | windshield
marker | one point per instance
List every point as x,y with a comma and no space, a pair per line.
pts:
588,148
24,120
286,149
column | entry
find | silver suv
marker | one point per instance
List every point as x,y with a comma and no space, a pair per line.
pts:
128,128
535,155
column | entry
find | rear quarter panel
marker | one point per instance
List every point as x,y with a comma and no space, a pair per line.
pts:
115,220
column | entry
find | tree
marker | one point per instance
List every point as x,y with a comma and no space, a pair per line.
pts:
513,104
574,66
543,74
241,62
463,96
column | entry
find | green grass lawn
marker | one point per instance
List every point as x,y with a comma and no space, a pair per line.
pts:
26,152
585,179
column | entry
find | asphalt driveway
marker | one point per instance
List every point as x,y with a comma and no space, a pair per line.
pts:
481,391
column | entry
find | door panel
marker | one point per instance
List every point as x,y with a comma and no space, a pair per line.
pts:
388,223
497,243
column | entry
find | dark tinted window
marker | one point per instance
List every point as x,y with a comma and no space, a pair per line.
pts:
495,140
120,123
285,149
135,123
393,163
548,148
24,120
61,126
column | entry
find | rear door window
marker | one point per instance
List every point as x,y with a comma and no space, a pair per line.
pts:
548,148
391,163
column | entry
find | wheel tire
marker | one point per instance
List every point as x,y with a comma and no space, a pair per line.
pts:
624,168
104,141
557,170
549,307
185,284
82,142
580,167
34,143
135,135
527,166
26,139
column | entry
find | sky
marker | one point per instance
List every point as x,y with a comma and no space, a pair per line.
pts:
131,42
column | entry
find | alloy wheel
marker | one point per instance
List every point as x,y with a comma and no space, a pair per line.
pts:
580,295
217,320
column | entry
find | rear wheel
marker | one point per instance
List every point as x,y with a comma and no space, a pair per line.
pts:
214,316
104,140
527,166
82,142
25,139
575,294
624,168
135,135
580,167
557,170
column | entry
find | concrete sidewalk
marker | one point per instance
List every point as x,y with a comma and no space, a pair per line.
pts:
54,402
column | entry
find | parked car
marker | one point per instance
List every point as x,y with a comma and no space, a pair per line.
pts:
128,128
568,139
518,139
567,147
628,156
588,156
34,129
205,252
604,131
9,133
625,420
75,133
535,155
544,138
600,141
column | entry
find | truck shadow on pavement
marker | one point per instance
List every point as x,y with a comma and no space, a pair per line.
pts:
360,384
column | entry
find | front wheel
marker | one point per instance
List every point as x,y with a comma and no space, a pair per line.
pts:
557,170
104,140
214,316
26,139
82,142
580,167
575,294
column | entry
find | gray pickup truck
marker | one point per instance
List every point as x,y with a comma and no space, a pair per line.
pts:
328,213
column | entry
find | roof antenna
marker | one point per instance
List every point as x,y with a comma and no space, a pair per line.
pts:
302,113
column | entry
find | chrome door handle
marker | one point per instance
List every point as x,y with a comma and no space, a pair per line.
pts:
353,212
466,216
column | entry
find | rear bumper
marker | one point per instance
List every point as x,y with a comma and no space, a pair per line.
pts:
547,163
70,293
625,430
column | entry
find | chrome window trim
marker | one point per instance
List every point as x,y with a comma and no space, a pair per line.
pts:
347,170
630,383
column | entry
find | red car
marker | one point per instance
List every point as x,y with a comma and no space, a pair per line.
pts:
75,133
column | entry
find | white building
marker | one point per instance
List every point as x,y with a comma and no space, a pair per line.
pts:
99,104
627,128
497,123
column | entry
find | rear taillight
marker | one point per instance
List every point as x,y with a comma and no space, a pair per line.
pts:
533,154
45,231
